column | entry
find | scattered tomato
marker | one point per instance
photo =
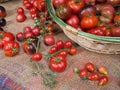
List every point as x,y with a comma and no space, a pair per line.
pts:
90,66
93,76
72,51
68,44
103,80
102,70
83,73
49,40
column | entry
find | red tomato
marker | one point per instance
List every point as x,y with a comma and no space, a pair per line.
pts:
11,48
53,49
72,51
68,44
33,10
115,31
59,44
20,36
90,66
103,80
58,2
49,40
36,31
28,5
63,53
41,5
94,76
75,5
88,22
2,12
83,73
20,10
21,18
73,20
58,64
36,56
90,2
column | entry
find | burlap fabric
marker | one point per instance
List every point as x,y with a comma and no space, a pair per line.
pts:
21,69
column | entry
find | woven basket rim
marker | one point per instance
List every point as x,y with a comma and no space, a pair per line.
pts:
61,22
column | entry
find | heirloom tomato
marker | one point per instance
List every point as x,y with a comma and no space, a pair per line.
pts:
36,56
11,48
89,21
58,2
75,5
63,11
58,63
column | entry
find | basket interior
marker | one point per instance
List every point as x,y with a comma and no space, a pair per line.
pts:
61,22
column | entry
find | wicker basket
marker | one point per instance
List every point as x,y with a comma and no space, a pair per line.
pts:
100,44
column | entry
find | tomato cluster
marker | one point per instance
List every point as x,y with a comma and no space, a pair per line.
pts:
98,17
58,54
91,73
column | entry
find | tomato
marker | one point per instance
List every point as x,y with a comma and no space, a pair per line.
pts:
63,53
102,70
59,44
73,20
33,10
58,2
2,12
34,15
49,40
103,80
36,31
20,36
25,2
29,46
2,22
90,66
68,44
75,5
113,2
58,63
90,2
115,31
88,9
21,18
83,73
36,56
11,48
63,11
41,5
28,5
27,29
94,76
72,51
90,21
20,10
29,35
53,49
117,18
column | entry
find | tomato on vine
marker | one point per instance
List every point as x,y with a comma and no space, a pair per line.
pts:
36,56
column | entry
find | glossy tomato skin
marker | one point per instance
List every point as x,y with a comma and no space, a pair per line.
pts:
90,66
115,31
103,80
72,51
58,64
73,20
68,44
58,2
53,49
88,22
63,53
94,76
2,12
49,40
36,56
11,48
83,73
75,5
59,44
63,11
41,5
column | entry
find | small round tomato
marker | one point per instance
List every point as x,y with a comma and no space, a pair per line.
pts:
59,44
58,2
63,53
21,18
36,56
53,49
41,5
20,10
94,76
36,31
28,5
58,64
88,22
90,66
49,40
102,70
72,51
103,80
2,12
83,73
73,20
20,36
68,44
27,29
33,10
11,48
115,31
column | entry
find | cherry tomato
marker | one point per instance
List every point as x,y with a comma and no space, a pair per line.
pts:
2,22
63,53
28,5
29,35
21,18
11,48
75,5
41,5
88,22
83,73
90,66
33,10
115,31
58,64
27,29
73,20
94,76
36,56
49,40
58,2
20,10
59,44
103,80
20,36
90,2
2,12
53,49
68,44
72,51
36,31
102,70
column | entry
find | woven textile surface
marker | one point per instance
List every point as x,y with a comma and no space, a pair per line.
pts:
20,69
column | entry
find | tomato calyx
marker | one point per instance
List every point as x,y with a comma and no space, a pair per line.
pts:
14,50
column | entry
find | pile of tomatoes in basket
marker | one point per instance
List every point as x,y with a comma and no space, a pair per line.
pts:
99,17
